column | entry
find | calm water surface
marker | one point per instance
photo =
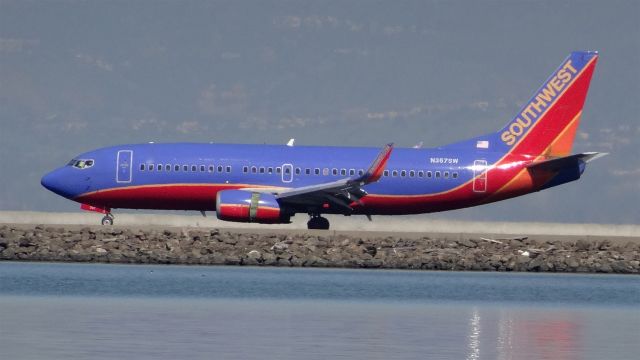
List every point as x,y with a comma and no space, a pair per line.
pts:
62,311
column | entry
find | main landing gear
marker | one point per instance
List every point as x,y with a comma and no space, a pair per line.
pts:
107,219
317,222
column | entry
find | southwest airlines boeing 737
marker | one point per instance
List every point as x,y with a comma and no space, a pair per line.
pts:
272,183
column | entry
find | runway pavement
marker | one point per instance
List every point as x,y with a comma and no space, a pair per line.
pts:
381,226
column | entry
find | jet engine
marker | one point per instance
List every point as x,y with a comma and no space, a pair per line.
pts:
248,206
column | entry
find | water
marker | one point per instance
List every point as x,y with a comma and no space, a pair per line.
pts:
62,311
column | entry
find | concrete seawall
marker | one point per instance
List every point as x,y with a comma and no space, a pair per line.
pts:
273,247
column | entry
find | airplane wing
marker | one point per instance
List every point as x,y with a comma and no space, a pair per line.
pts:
340,193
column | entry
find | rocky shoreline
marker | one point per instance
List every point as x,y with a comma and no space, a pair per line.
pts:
314,249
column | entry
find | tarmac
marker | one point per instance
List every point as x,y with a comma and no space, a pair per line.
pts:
382,226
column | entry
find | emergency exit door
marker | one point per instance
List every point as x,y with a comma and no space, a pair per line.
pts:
480,176
123,171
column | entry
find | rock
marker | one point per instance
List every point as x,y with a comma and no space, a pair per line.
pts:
8,254
467,243
604,268
572,263
279,247
25,242
619,266
582,245
232,260
12,237
373,263
371,250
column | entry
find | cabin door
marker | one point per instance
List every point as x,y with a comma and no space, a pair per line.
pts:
287,173
124,167
480,176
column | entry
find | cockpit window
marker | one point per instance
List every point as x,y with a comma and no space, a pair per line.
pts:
81,163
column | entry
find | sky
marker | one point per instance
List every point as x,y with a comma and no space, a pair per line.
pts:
78,75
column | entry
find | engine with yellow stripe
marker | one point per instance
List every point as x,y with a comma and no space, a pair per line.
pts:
248,206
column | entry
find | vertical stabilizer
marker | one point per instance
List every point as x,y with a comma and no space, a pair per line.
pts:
547,123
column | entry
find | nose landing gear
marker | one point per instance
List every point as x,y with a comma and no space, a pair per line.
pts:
317,222
107,219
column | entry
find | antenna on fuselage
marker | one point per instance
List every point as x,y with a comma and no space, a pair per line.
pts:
291,141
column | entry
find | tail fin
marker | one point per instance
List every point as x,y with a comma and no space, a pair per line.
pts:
547,124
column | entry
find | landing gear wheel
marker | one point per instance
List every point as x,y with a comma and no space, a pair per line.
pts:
318,223
107,220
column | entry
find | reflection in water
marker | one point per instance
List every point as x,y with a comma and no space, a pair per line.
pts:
474,335
554,336
517,333
505,336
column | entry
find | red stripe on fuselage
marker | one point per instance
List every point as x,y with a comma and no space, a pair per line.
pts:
162,197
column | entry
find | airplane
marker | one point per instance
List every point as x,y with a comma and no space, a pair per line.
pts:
271,183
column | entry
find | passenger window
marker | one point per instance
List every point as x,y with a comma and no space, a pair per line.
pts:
316,171
454,175
228,168
437,174
403,173
412,173
194,168
360,172
334,171
298,171
159,167
167,167
141,167
343,172
325,171
211,168
429,174
176,168
386,173
307,171
202,168
420,173
270,170
219,168
446,174
245,169
151,166
254,169
278,170
185,167
261,169
394,173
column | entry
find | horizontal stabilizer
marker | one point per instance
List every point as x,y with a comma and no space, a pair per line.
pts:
565,161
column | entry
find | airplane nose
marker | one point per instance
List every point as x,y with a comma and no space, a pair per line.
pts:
54,182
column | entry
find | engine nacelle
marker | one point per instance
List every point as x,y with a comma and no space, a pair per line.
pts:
247,206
